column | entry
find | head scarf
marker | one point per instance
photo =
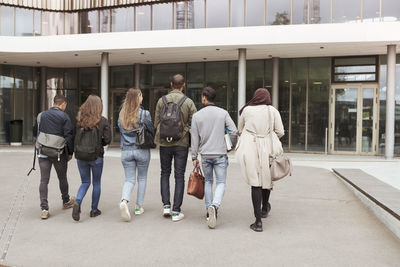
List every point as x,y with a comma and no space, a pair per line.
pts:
261,97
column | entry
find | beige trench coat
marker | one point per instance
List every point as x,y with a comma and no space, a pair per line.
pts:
254,145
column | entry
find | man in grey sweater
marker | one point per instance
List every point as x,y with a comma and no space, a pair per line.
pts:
208,140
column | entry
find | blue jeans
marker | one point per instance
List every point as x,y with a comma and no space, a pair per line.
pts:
133,159
85,167
219,166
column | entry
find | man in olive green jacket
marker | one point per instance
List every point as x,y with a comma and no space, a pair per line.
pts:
177,150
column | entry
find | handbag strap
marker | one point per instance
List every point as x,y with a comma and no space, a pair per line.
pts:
198,170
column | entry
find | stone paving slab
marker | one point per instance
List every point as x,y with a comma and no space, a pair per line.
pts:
315,221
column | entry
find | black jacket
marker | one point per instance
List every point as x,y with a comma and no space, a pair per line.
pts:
105,133
57,122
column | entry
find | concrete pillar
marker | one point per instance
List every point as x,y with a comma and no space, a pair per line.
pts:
241,79
137,75
104,82
275,82
43,85
390,101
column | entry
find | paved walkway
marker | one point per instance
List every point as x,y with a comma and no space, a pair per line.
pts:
315,221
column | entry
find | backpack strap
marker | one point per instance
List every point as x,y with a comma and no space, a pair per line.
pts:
164,99
180,102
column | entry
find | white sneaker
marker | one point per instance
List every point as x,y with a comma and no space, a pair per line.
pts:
177,216
212,219
167,210
125,211
139,211
45,214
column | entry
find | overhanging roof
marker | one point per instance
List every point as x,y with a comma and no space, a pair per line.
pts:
194,45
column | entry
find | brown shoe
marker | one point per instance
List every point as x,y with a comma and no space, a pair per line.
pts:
70,203
45,214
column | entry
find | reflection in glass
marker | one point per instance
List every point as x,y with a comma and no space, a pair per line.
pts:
268,75
7,21
88,83
353,69
117,100
122,19
367,119
284,97
162,74
320,11
38,19
52,23
254,77
196,14
298,118
345,119
195,82
255,12
24,22
278,12
71,23
318,103
390,10
233,91
105,20
300,12
180,15
371,11
143,18
346,11
217,78
237,8
6,85
162,16
121,77
89,21
217,13
144,84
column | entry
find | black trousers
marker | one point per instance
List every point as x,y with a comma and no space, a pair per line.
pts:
61,170
259,197
179,154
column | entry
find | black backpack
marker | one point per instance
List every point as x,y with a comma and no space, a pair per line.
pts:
171,125
144,135
86,144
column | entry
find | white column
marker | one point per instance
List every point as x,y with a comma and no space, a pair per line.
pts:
241,79
104,82
390,101
137,75
275,82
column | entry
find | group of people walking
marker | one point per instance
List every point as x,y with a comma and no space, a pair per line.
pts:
177,126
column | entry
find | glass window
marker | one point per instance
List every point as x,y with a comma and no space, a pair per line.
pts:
195,82
217,13
217,78
268,75
89,79
355,69
162,16
284,97
180,15
122,19
71,23
237,8
298,118
318,103
24,22
300,12
6,109
351,12
162,74
233,91
71,79
121,77
254,77
196,13
143,18
145,83
38,19
105,20
89,21
371,11
278,12
255,12
52,23
320,11
390,10
7,21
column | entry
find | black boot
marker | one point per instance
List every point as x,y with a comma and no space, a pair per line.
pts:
265,210
257,226
76,211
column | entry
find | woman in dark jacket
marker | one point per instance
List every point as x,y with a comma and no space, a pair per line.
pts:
89,117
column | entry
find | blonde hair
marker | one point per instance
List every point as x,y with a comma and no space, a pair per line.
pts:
89,114
130,109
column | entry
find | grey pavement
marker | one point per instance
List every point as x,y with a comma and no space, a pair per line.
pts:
315,221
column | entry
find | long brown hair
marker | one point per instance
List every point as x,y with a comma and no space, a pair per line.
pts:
89,114
130,109
261,97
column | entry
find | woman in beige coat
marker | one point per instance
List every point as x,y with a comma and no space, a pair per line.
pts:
260,127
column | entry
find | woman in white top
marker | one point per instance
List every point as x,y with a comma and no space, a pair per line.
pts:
260,127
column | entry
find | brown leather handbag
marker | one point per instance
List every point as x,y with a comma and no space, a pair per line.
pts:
196,184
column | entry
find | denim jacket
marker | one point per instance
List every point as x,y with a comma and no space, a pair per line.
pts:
128,137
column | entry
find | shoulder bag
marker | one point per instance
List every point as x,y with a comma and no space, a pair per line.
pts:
144,136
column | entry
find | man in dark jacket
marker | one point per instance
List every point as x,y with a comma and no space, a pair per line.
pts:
55,121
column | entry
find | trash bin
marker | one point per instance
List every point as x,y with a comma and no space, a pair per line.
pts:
15,132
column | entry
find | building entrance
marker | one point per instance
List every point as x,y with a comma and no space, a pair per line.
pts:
354,119
116,102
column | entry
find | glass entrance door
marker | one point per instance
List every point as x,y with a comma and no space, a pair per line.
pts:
353,119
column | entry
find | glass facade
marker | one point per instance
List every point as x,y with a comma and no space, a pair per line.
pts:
255,12
24,22
89,21
217,13
278,12
143,18
390,10
320,11
122,19
52,23
7,21
105,20
161,20
237,14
